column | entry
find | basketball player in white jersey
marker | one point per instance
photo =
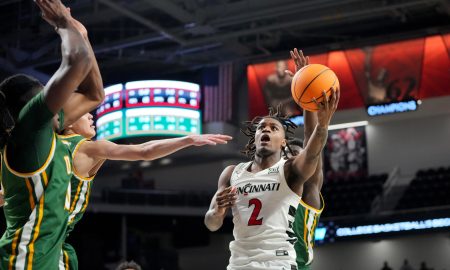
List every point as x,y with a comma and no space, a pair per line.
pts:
264,193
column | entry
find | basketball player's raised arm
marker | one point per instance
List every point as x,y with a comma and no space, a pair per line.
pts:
310,119
305,164
316,180
224,198
76,59
90,92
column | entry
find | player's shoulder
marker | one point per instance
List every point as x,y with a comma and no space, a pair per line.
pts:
89,148
225,176
70,139
35,103
229,169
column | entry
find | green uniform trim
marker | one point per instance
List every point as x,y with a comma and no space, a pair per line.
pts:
36,172
305,223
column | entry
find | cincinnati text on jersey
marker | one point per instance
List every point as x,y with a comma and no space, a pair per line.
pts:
250,188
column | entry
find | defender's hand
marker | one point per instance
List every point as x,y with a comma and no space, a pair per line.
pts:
300,61
327,107
54,12
209,139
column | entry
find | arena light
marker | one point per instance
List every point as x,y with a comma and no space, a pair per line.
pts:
394,227
162,111
113,89
299,120
320,233
348,125
163,84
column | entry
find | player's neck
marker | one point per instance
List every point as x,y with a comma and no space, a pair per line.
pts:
263,162
69,132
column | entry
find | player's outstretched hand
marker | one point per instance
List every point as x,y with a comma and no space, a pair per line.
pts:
209,139
225,199
54,12
300,61
327,107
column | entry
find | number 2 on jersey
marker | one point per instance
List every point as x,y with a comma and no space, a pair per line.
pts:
254,217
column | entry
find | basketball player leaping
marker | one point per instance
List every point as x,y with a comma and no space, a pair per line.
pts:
84,159
36,165
265,192
88,157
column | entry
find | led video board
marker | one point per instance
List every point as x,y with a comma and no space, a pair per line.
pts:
149,108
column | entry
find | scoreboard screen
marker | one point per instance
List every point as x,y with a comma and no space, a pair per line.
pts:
162,93
113,100
149,108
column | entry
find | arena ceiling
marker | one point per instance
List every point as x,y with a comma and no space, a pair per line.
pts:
158,37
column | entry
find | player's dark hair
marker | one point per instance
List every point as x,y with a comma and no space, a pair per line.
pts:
14,94
251,126
294,142
129,265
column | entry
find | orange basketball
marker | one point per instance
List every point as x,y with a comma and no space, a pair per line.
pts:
309,82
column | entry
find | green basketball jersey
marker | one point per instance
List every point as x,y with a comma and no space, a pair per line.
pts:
36,211
80,186
305,223
80,192
36,172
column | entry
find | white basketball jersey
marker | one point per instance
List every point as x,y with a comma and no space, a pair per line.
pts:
263,216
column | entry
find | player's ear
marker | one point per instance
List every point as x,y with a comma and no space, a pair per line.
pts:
283,143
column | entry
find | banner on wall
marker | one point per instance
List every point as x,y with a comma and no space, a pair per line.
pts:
346,153
391,72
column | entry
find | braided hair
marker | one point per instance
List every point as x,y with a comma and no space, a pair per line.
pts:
251,126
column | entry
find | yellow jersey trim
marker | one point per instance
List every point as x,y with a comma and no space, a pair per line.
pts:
75,200
305,228
315,210
36,233
13,249
31,193
67,136
86,201
44,176
38,171
66,260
